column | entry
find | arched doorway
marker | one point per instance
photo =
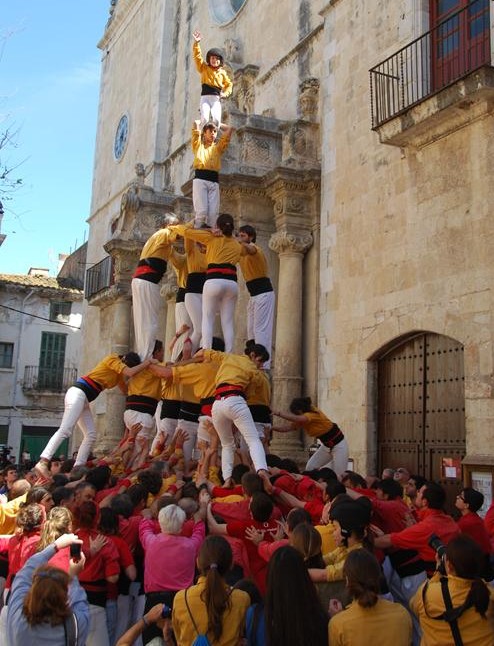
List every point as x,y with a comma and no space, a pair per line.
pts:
421,407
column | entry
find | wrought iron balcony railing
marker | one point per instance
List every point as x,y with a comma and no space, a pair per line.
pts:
454,48
52,380
98,277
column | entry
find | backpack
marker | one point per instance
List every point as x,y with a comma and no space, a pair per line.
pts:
200,640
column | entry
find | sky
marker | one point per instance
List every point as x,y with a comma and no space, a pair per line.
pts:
49,90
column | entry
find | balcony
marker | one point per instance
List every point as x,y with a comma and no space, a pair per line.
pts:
447,67
48,380
99,277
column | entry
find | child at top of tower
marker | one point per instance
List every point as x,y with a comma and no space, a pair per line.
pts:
215,82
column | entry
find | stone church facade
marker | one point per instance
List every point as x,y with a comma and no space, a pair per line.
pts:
369,192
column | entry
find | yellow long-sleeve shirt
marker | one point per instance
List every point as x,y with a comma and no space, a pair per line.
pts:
219,249
108,372
179,264
145,384
196,259
159,244
254,265
215,77
208,157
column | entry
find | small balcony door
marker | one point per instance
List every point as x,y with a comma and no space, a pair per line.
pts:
51,361
460,38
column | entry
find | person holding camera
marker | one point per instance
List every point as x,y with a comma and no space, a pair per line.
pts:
48,605
456,606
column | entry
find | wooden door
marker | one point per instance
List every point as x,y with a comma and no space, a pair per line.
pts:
421,407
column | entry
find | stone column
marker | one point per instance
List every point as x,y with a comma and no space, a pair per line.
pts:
287,373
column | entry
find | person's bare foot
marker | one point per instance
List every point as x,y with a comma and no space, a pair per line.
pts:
42,468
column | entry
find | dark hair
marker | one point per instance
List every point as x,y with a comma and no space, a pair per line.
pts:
225,224
108,522
419,481
390,487
297,515
218,344
152,480
363,574
355,479
335,488
59,480
473,498
137,494
289,623
326,475
259,351
251,482
36,494
300,405
131,359
250,231
468,562
158,346
86,515
122,504
238,471
306,539
190,490
99,476
273,460
67,465
261,506
60,494
289,465
434,494
214,52
248,585
83,485
214,561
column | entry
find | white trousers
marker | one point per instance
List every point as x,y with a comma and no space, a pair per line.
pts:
234,410
98,633
206,201
219,295
193,304
190,443
260,317
335,458
148,430
146,302
76,411
210,109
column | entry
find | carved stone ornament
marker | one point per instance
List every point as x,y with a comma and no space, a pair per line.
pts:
309,99
125,263
284,242
233,50
169,289
245,88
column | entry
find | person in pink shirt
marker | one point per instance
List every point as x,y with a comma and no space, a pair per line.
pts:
169,557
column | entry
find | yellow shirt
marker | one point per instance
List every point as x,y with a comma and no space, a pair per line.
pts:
335,561
208,157
196,259
259,390
219,249
254,265
8,514
159,244
146,384
169,390
233,617
236,369
317,423
216,77
473,629
109,371
179,264
201,377
327,537
386,624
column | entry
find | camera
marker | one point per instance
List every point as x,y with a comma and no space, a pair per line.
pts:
440,548
75,552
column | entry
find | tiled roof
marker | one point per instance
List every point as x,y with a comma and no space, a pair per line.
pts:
46,282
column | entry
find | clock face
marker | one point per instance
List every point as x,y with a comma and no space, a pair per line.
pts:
121,135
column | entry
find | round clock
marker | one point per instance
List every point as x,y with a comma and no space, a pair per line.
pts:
121,136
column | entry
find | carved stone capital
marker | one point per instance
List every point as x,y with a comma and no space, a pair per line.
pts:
283,242
309,99
169,289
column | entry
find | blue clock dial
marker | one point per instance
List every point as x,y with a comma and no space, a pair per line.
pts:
121,135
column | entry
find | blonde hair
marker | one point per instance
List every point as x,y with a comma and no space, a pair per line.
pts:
58,522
